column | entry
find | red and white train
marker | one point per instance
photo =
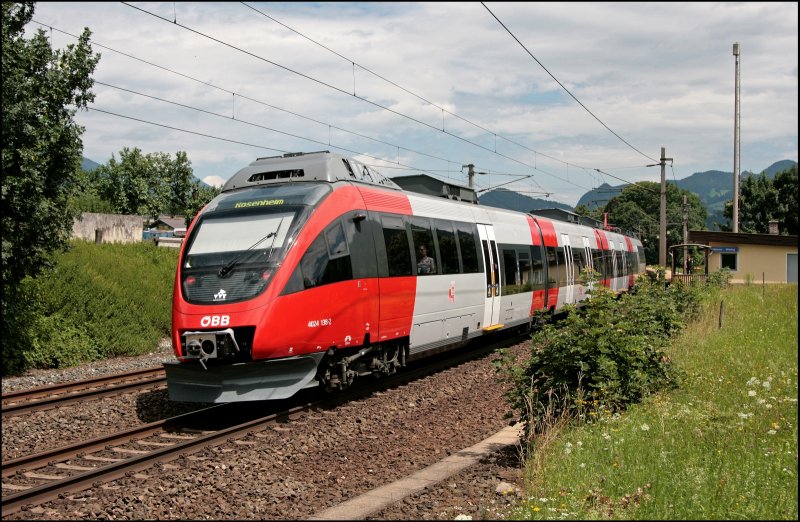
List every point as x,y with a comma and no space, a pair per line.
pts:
308,269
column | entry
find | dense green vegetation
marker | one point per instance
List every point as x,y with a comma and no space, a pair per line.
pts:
99,301
763,199
44,188
721,445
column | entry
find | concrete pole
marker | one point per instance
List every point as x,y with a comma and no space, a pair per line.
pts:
470,174
736,52
662,221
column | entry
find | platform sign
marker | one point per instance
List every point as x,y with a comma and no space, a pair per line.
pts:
725,249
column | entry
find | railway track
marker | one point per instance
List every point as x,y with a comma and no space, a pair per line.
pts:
36,479
57,395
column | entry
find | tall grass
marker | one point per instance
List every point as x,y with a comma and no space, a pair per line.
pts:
722,446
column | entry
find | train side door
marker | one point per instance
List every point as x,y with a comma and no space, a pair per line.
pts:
569,290
491,311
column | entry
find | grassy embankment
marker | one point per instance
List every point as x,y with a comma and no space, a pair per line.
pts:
724,445
102,301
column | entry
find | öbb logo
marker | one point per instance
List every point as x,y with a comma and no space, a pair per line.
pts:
215,320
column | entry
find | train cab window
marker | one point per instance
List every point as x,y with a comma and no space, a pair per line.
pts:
327,260
422,236
467,242
398,253
446,238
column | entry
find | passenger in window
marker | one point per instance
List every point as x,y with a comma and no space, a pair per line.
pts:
425,265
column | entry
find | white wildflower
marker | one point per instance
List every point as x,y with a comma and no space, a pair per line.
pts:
772,432
645,427
751,393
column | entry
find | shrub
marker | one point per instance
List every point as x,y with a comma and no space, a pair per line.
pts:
603,356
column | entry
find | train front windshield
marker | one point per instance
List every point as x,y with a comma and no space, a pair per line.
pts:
232,257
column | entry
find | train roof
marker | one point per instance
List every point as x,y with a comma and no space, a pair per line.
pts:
304,167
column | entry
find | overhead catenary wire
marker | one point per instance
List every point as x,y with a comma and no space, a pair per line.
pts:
420,97
342,91
306,117
339,128
563,87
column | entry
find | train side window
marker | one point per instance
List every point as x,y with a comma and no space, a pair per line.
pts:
524,265
597,262
422,237
510,272
447,246
537,268
562,267
552,267
398,253
467,242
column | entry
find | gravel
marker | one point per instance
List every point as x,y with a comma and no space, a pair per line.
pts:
294,470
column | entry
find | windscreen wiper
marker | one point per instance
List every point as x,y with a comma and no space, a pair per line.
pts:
229,266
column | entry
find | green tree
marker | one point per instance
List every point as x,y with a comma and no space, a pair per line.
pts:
638,208
42,90
152,184
200,196
762,199
135,184
86,196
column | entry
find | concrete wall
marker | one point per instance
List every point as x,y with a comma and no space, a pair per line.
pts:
108,228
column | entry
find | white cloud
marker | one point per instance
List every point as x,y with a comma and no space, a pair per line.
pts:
659,74
214,181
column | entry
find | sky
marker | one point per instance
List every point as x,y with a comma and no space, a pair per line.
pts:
547,99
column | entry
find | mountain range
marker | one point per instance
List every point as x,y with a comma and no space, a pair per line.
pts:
714,187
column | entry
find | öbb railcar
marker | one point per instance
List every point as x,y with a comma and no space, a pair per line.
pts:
311,269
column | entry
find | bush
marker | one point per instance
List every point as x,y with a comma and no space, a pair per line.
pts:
603,356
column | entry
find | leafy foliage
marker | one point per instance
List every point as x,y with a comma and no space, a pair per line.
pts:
638,208
603,356
99,301
149,185
762,199
42,90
